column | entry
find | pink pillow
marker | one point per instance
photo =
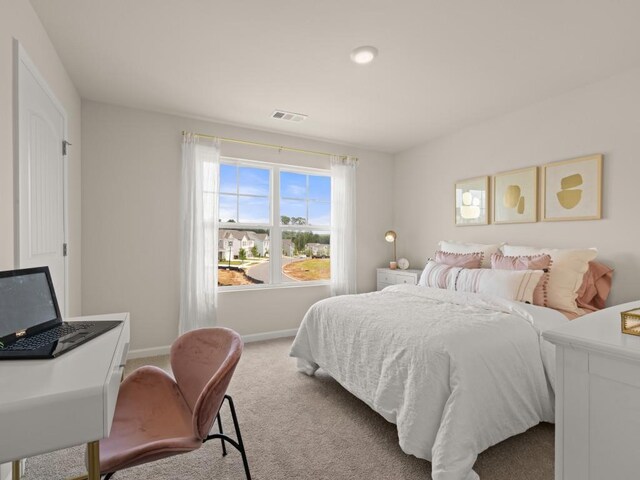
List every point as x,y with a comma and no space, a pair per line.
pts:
595,288
464,260
534,262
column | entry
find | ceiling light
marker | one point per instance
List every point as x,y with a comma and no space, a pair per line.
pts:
363,55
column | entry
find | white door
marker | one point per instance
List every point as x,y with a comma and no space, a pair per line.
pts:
41,178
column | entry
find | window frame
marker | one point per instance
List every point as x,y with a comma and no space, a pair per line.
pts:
275,227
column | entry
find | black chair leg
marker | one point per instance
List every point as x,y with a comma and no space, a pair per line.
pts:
224,447
108,476
239,436
239,444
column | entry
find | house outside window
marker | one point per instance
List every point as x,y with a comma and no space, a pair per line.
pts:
274,224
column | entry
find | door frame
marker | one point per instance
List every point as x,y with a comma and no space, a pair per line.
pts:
20,56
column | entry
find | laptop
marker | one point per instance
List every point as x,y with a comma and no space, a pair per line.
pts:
30,322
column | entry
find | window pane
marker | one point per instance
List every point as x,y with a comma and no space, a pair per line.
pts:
243,256
254,210
319,213
305,256
293,212
254,181
228,178
293,185
228,208
320,188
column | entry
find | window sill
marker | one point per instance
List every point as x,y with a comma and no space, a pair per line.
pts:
279,286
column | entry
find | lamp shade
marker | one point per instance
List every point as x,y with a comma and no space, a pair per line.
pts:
390,236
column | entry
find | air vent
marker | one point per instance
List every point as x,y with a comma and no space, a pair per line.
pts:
288,116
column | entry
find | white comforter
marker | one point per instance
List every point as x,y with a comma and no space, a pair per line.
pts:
456,372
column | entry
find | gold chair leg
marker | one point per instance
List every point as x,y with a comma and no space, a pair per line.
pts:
93,450
15,470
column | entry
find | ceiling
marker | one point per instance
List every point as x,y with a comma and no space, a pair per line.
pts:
443,64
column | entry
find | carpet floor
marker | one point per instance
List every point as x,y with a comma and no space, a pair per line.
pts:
299,427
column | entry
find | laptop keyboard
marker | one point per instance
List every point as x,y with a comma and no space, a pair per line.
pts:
45,338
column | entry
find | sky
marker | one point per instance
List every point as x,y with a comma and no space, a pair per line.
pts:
244,195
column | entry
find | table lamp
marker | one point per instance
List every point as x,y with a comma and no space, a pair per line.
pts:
390,237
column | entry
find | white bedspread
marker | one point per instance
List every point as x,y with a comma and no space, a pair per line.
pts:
456,372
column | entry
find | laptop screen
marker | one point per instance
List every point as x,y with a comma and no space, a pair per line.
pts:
26,300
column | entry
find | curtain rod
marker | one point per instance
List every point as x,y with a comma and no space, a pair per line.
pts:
268,145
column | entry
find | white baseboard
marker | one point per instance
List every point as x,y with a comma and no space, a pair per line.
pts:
259,337
254,337
149,352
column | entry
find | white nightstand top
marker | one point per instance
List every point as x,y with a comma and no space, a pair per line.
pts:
397,270
599,331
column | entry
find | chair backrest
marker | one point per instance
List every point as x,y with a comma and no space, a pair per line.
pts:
203,362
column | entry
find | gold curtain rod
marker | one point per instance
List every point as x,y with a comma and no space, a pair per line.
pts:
268,145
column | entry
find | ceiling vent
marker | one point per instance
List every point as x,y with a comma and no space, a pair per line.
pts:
288,116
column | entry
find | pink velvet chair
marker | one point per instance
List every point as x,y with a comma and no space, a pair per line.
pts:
157,416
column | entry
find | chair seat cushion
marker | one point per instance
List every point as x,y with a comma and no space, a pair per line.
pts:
151,421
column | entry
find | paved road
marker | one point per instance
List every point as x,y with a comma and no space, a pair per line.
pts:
261,271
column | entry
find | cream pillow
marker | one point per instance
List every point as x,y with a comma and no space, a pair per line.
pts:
517,285
461,247
565,275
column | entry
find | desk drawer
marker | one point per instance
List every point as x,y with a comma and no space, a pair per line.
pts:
113,383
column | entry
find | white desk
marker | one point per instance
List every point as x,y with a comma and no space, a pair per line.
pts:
597,397
48,405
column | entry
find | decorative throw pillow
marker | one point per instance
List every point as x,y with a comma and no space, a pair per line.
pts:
460,247
531,262
512,285
464,260
566,275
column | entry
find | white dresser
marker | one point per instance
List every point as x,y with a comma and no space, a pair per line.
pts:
387,277
597,398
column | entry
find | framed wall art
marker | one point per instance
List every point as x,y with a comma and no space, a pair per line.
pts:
515,196
471,201
572,189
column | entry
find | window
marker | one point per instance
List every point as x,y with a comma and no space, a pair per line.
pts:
274,224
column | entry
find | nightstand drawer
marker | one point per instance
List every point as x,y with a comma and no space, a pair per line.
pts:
386,276
409,279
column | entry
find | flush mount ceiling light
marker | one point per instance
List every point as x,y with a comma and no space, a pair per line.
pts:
364,55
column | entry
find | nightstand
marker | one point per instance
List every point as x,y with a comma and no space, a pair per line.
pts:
387,277
597,397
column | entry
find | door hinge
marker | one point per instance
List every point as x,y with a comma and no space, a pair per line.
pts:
65,144
64,249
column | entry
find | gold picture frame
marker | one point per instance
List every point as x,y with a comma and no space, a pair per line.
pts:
515,196
471,201
572,189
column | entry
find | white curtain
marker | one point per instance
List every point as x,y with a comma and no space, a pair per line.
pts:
199,238
343,225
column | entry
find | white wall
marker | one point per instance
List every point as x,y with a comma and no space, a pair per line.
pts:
130,232
19,21
600,118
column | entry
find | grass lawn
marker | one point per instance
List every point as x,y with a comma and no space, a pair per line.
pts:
309,269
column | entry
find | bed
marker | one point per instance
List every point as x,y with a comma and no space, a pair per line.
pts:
456,372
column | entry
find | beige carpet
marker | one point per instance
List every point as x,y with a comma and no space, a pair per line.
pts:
297,427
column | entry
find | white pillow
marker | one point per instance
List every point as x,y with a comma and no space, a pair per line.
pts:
461,247
566,274
517,285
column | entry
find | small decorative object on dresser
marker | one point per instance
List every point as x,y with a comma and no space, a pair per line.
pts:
597,397
631,321
403,263
387,277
